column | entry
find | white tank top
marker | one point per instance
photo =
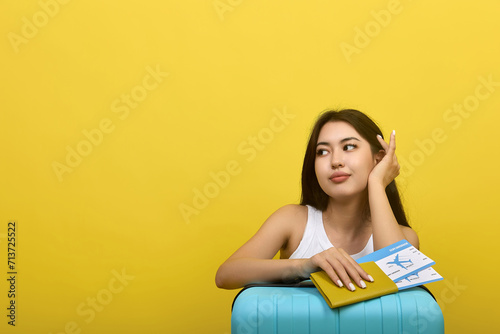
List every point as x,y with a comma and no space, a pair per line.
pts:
315,240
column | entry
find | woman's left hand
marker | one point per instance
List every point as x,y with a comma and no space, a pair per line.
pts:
387,168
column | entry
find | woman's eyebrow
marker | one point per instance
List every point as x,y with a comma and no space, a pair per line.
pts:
349,138
342,141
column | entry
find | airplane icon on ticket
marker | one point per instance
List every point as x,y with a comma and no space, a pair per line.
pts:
399,262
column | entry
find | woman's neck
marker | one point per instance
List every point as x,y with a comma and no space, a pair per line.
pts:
348,216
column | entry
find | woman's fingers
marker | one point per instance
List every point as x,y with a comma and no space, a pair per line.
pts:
382,142
341,268
347,272
344,272
391,147
331,272
364,275
389,166
392,143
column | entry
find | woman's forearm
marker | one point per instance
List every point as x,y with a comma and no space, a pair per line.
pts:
386,229
236,273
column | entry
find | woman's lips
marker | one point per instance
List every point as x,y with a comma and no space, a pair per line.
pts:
339,177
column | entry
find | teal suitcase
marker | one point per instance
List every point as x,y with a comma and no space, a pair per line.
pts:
302,310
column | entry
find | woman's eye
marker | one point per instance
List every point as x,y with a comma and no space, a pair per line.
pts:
349,147
321,152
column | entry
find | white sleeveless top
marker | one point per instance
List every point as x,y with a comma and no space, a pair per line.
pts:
315,240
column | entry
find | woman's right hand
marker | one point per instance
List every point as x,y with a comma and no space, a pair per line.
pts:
339,266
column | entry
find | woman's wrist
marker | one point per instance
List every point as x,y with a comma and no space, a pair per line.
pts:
374,184
297,268
302,268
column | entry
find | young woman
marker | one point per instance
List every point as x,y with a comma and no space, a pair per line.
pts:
350,207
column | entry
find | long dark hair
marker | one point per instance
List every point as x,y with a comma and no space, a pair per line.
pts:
312,194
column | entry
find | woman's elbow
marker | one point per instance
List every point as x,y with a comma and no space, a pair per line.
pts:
412,237
221,280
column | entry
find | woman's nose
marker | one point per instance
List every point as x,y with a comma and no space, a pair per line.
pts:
337,161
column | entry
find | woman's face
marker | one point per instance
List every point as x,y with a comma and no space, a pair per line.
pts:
344,160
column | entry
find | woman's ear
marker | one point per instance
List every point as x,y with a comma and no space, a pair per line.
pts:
379,156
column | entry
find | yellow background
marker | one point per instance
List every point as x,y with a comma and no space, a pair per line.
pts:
232,66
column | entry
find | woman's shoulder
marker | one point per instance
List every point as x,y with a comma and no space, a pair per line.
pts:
288,216
292,219
291,209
